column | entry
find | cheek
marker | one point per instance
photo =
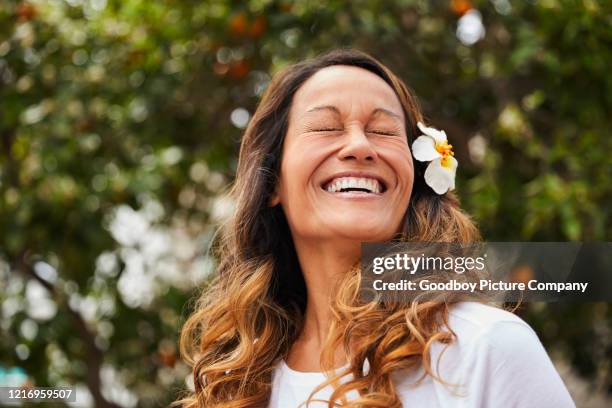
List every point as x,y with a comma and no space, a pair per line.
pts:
399,158
297,167
406,174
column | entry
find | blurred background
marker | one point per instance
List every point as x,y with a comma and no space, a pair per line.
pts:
119,127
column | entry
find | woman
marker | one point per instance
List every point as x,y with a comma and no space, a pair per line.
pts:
324,165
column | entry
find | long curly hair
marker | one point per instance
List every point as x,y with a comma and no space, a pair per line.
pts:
251,312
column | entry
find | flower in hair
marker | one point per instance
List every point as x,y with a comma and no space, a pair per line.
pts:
432,146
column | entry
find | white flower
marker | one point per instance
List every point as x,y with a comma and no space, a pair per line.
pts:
433,146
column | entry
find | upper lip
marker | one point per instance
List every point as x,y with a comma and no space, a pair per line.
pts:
362,174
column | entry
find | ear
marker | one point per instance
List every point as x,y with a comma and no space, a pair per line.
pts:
274,198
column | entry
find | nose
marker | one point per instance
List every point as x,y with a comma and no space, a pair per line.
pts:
357,146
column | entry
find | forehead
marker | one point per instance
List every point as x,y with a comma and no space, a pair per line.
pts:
348,88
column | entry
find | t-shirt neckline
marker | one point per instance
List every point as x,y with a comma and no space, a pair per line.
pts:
305,375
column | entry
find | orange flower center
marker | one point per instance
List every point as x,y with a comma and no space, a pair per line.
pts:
445,149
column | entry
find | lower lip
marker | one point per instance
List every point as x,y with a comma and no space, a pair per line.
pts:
355,195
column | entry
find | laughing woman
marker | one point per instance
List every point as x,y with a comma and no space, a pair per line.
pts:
325,164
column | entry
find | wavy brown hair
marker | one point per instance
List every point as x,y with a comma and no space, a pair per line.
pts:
248,317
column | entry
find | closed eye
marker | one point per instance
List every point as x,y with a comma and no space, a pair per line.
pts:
326,130
376,132
382,132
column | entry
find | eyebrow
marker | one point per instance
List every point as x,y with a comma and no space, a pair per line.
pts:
337,111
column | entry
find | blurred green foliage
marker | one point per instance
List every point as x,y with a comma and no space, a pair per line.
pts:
119,127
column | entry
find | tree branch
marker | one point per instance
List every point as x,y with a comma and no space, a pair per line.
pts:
95,356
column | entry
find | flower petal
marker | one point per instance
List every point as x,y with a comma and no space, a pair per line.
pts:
439,177
424,149
438,135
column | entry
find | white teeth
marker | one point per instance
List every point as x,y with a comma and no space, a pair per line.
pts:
370,184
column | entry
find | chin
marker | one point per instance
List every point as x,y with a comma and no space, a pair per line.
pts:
365,230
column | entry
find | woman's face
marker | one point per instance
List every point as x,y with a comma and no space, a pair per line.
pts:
346,169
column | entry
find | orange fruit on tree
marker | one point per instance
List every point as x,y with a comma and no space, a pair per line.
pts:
238,24
25,12
258,27
239,69
460,7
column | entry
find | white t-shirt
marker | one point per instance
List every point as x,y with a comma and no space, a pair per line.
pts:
497,360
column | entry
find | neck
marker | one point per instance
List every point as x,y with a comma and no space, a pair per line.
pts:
323,264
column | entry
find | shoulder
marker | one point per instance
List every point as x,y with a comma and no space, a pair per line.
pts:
495,360
495,339
480,316
475,323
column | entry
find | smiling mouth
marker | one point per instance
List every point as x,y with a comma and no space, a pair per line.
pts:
365,185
